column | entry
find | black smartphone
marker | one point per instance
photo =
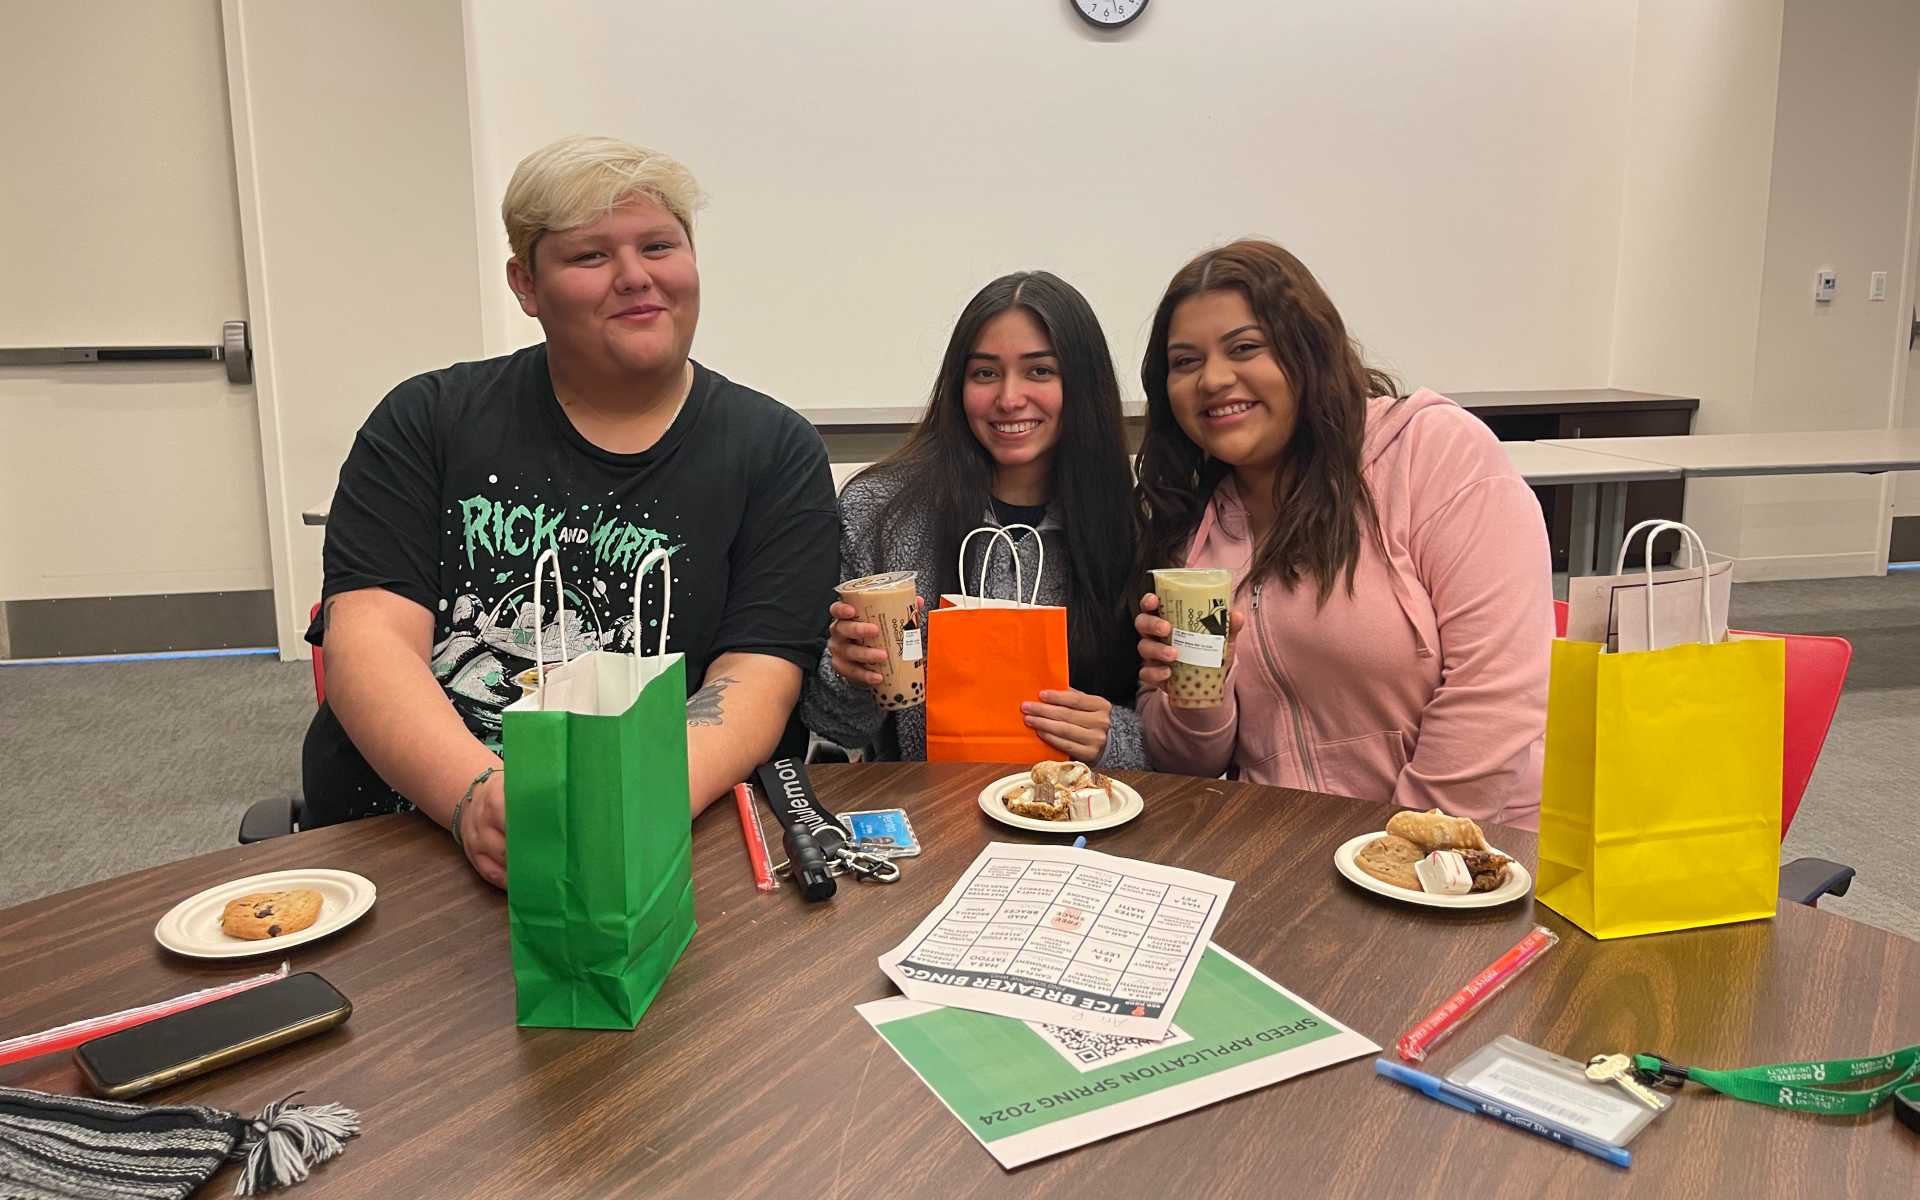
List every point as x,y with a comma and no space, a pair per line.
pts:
185,1044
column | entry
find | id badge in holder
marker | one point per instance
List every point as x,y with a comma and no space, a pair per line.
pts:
884,833
1553,1089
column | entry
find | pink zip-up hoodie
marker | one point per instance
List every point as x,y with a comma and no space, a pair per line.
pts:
1425,687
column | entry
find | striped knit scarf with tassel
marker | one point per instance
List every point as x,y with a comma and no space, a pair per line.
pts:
66,1148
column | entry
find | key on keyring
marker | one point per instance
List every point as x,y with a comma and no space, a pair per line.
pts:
1618,1068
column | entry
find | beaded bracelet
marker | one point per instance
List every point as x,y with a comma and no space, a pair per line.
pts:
453,826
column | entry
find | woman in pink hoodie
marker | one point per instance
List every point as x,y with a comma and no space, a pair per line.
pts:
1393,590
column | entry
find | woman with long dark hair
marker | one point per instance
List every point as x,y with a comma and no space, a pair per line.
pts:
1023,427
1392,603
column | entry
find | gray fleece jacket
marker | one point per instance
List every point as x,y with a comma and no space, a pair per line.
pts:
846,712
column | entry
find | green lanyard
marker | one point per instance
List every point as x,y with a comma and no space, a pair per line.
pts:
1795,1085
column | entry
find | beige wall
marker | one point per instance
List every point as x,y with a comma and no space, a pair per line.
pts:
118,226
1497,195
1694,222
350,122
1770,140
1842,159
1451,172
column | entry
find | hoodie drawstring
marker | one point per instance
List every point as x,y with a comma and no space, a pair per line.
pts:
1397,578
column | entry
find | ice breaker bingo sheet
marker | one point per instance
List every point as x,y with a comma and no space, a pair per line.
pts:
1065,937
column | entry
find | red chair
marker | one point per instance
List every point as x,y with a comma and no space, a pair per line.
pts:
278,816
319,669
1816,674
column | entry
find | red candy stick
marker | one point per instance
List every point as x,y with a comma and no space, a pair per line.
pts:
756,839
1481,988
68,1036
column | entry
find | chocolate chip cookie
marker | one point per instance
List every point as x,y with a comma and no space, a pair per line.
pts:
270,914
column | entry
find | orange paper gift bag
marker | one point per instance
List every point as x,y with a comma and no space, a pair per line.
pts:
985,658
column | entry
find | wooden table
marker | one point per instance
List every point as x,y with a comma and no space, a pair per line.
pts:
752,1075
1588,403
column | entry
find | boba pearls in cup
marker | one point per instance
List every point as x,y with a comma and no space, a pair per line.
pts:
1195,601
887,600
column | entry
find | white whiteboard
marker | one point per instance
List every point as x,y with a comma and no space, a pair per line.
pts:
1452,173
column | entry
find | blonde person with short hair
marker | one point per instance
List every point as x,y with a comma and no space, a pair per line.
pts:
603,442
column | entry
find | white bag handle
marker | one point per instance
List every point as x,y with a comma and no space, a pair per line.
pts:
540,619
1693,540
1039,562
981,587
659,555
1019,580
1626,543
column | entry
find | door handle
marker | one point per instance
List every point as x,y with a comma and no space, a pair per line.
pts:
1913,335
235,350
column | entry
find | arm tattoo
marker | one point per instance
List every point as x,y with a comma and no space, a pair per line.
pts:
703,707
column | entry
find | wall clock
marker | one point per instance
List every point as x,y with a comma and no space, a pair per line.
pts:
1108,14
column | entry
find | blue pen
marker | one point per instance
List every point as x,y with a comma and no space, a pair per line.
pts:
1465,1100
1080,843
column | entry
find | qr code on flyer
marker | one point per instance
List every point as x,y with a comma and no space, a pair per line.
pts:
1090,1051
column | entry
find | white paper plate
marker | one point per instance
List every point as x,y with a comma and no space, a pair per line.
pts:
1518,883
192,927
993,802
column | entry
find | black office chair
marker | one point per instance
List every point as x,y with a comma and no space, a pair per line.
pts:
273,817
281,815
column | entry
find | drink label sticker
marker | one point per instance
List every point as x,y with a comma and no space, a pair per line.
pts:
910,647
1199,649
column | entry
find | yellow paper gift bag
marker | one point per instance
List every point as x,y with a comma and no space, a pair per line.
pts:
1660,802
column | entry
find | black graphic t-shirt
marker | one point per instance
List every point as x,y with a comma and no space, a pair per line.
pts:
463,477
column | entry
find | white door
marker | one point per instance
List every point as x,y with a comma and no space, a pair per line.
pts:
119,225
1906,488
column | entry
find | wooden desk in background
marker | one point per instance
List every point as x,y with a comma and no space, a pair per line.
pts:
1598,483
1614,413
753,1076
1725,455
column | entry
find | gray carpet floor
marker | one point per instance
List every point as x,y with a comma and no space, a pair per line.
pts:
106,769
109,768
1862,806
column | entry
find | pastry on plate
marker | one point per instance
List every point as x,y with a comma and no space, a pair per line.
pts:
1022,800
1063,791
1092,803
1444,873
1436,830
1054,781
1390,859
270,914
1489,870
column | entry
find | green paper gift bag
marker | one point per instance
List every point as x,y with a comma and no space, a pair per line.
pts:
599,840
